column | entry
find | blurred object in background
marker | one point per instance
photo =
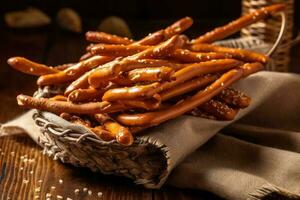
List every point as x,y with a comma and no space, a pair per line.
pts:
115,25
28,18
69,19
268,30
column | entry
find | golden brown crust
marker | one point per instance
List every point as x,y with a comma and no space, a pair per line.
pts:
234,26
241,54
29,67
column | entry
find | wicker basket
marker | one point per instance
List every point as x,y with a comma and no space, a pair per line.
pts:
267,30
145,161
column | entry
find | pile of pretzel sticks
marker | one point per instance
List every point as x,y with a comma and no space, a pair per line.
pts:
121,86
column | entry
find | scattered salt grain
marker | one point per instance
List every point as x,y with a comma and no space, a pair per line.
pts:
59,197
61,181
48,195
90,192
76,191
100,194
85,189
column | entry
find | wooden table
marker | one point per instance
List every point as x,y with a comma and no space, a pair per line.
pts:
25,173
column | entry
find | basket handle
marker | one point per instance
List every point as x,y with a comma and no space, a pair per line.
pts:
280,35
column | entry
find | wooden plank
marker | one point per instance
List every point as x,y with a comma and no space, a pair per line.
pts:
28,174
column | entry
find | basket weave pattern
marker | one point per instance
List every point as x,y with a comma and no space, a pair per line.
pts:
267,30
144,161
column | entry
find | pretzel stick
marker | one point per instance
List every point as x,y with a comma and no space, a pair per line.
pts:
219,109
234,26
74,72
129,93
188,86
149,104
108,71
240,54
234,98
64,66
103,134
116,50
184,55
28,67
178,27
152,39
68,107
59,98
86,56
180,76
101,37
151,74
75,119
81,95
122,134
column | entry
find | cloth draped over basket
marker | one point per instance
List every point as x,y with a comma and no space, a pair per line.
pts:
244,161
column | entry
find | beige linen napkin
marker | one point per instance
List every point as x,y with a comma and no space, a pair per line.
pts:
210,168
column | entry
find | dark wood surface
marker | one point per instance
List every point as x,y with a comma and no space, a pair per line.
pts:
25,173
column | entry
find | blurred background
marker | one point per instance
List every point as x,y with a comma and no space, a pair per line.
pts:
53,43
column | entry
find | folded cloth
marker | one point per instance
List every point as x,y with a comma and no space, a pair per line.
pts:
229,167
262,161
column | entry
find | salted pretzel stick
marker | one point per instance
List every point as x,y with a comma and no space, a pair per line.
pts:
180,76
101,37
81,95
122,134
59,98
181,55
68,107
116,131
76,119
234,26
184,55
147,104
157,117
188,86
64,66
103,134
116,50
178,27
152,39
74,72
151,74
86,56
29,67
234,98
108,71
241,54
219,109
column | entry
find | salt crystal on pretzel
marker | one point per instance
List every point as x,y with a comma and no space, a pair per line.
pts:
219,109
234,98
